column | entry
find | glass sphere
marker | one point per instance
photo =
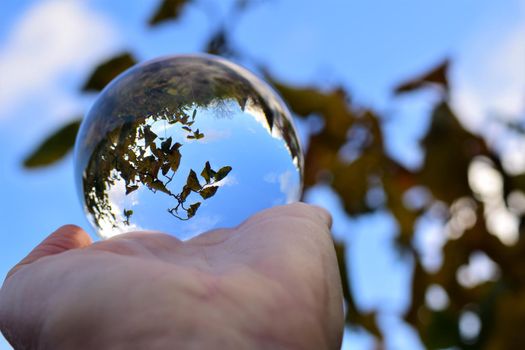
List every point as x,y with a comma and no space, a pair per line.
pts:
185,144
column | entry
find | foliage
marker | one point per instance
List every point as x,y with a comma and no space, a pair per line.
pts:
135,155
105,72
450,150
54,147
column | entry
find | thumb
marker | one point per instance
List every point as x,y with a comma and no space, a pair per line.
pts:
65,238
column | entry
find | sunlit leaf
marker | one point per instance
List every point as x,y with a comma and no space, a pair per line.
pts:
192,182
198,135
222,173
159,186
185,193
108,70
193,209
55,147
208,192
174,160
207,172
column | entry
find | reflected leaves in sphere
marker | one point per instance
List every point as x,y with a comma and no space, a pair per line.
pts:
185,144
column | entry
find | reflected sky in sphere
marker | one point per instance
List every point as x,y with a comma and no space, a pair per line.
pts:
185,144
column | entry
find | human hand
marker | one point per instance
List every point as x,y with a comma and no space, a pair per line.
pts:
271,283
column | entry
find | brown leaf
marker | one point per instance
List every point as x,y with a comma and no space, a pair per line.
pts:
131,188
219,44
208,192
449,149
222,173
168,10
438,76
193,209
192,182
108,70
159,186
55,147
207,172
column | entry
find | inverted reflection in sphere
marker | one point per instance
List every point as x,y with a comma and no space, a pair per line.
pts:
183,145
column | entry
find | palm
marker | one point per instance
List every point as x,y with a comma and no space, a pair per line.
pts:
267,284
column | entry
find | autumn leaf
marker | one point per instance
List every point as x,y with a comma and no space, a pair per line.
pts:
168,10
207,172
132,188
55,147
159,186
208,192
165,145
165,168
193,209
108,70
192,182
149,136
221,174
438,76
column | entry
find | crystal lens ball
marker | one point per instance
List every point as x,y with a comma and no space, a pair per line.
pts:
183,145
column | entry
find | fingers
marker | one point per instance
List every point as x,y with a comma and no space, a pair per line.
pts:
65,238
299,210
295,223
141,243
294,244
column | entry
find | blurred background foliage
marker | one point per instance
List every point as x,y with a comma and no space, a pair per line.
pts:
461,183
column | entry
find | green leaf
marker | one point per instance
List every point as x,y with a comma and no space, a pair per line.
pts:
168,10
193,209
438,76
198,135
128,213
55,147
108,70
208,192
192,182
207,172
221,174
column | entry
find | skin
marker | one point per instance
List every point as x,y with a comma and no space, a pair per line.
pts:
270,283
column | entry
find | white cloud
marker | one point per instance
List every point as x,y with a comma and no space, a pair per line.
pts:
52,40
288,184
489,77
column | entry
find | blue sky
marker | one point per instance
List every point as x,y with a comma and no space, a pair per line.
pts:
48,47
